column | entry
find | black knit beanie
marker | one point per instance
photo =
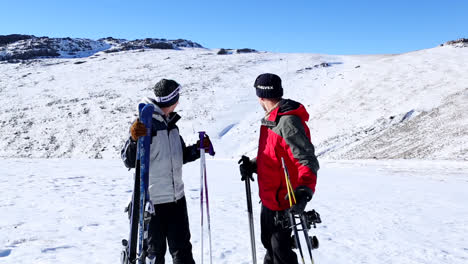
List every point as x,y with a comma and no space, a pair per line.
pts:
268,85
166,92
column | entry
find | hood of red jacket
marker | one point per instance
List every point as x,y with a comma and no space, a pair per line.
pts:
290,107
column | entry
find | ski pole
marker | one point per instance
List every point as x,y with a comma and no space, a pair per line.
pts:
288,185
202,156
208,216
204,185
248,195
296,235
306,236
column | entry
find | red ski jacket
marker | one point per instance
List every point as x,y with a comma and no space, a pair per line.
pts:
284,134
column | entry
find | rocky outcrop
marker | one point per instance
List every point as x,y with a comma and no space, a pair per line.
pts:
246,50
7,39
321,65
222,52
112,41
152,43
462,42
238,51
45,47
24,47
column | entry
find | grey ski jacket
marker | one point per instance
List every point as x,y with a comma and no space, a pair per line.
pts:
168,154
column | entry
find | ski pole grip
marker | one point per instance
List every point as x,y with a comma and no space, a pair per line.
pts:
202,137
201,134
245,159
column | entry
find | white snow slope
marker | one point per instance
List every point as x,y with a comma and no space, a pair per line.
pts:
71,211
410,105
406,106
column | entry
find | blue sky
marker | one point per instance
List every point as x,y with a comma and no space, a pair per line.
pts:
332,27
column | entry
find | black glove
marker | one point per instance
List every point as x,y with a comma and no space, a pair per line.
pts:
303,196
247,167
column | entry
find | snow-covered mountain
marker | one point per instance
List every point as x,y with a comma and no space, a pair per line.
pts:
24,47
408,105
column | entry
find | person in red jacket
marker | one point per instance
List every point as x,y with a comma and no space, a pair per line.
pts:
284,134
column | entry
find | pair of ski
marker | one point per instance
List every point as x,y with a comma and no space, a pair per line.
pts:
141,208
306,219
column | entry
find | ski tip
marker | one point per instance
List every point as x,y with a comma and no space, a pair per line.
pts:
148,109
140,107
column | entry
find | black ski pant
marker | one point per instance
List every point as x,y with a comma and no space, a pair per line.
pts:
276,239
170,223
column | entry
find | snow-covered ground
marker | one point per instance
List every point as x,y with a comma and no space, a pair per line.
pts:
408,105
71,211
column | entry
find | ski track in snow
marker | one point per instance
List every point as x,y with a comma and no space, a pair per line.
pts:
71,211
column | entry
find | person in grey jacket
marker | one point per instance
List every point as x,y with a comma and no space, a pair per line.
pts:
168,153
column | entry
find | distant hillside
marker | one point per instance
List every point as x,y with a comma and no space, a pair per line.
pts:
404,106
24,47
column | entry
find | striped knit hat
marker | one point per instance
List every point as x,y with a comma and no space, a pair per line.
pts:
166,92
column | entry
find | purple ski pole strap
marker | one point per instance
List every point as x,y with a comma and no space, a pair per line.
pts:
211,152
202,137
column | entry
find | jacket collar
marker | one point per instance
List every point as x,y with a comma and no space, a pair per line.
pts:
270,120
173,118
159,115
286,107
